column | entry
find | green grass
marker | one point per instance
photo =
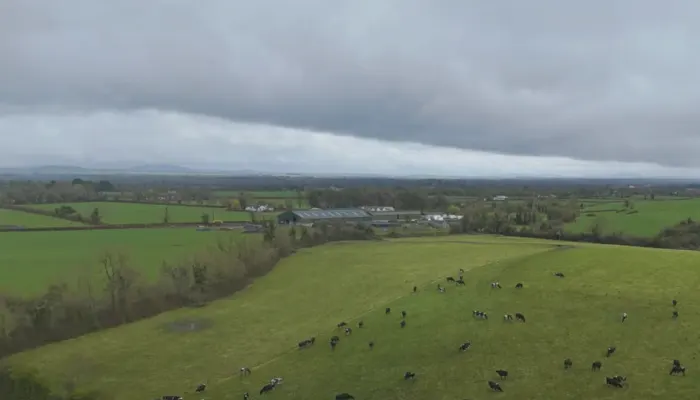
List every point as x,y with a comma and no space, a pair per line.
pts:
652,216
30,261
29,220
131,213
576,317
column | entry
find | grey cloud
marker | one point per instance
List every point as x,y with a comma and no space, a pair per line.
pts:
597,80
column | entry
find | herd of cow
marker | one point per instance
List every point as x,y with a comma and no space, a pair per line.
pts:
617,381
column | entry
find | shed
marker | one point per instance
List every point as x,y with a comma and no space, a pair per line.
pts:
306,216
396,215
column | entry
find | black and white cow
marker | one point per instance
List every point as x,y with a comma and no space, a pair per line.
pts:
495,386
465,346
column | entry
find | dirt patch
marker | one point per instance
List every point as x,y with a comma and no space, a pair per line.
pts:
564,247
191,325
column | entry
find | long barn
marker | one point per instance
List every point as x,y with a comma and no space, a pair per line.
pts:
311,216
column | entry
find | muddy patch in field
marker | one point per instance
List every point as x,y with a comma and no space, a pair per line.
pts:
189,325
564,247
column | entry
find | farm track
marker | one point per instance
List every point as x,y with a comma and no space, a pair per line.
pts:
396,299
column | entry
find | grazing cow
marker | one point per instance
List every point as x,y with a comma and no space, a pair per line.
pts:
450,279
675,314
348,331
415,289
342,324
403,314
676,363
559,274
335,339
519,285
200,388
508,317
495,285
677,369
171,397
674,302
403,323
387,311
360,324
409,375
520,317
613,382
624,316
344,396
620,378
333,344
245,371
246,396
267,388
371,345
611,350
461,282
465,346
596,365
502,373
495,386
568,363
441,289
307,342
276,381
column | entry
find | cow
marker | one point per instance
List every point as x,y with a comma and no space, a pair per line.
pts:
409,375
371,345
611,351
465,346
387,311
596,365
171,397
624,316
676,363
461,282
342,324
508,317
559,274
677,369
495,386
568,363
245,371
519,285
344,396
674,302
200,388
276,381
502,373
450,279
403,323
307,342
441,289
267,388
360,324
348,331
675,314
415,289
520,317
246,396
403,314
613,382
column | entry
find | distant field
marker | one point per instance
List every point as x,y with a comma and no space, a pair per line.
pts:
651,217
30,261
275,194
29,220
131,213
310,292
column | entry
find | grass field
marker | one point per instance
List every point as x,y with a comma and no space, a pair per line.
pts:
651,217
30,261
29,220
131,213
576,317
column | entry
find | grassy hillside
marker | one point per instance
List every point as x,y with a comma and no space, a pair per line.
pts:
576,317
647,217
131,213
30,261
29,220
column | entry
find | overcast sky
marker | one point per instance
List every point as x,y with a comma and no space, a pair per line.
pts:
454,87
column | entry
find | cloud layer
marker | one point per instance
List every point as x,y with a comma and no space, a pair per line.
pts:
596,80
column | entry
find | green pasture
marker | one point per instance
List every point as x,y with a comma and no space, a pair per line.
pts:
651,217
31,261
29,220
133,213
576,317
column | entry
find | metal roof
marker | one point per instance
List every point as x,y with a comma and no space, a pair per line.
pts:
331,214
389,213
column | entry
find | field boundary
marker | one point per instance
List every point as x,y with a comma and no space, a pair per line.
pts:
229,224
372,309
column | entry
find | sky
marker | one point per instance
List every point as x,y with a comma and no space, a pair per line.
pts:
456,88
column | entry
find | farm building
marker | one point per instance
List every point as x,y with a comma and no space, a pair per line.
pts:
396,215
373,209
310,216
